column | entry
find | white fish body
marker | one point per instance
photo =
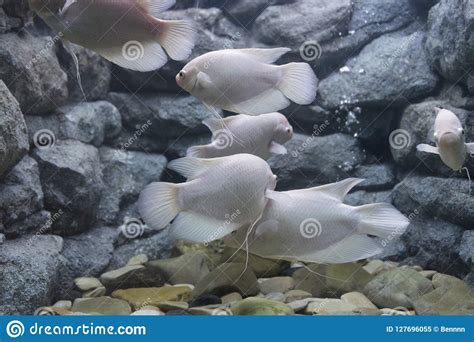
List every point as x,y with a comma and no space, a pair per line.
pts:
220,195
450,140
258,135
246,81
125,32
313,225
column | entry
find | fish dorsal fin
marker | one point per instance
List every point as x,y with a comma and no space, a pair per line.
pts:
427,149
155,7
265,55
277,195
198,228
337,190
215,124
191,167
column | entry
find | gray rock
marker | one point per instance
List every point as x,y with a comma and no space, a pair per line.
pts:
450,41
19,10
466,249
447,198
13,133
29,273
46,127
434,245
313,160
364,197
72,178
95,73
456,301
244,12
125,175
385,69
398,287
90,122
32,71
416,127
376,176
165,116
21,196
129,277
86,255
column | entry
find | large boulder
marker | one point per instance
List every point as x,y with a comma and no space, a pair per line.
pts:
447,198
29,273
388,71
313,160
21,196
450,43
125,175
32,71
13,132
72,177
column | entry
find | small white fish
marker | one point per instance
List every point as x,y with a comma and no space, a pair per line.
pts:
258,135
450,140
125,32
219,196
246,81
314,225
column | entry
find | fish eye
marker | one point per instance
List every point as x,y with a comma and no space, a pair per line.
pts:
181,74
288,130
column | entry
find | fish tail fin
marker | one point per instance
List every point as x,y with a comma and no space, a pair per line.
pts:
382,220
158,204
197,152
299,83
177,38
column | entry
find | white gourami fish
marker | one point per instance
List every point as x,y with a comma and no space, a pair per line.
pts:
246,81
125,32
450,140
219,196
258,135
314,225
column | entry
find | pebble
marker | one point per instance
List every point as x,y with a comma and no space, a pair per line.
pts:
277,284
294,295
87,283
332,305
231,298
170,305
140,259
444,280
140,297
299,305
145,312
102,306
277,296
64,304
98,292
428,274
359,300
205,299
253,306
374,267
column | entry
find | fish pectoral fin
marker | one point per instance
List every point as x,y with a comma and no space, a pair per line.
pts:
470,148
265,55
197,151
337,190
155,7
267,227
351,248
177,37
203,81
427,148
191,167
271,100
198,228
158,204
135,55
276,148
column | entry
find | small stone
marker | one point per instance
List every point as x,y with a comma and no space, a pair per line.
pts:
458,300
444,280
130,277
148,312
276,296
253,306
326,305
140,297
98,292
277,284
300,305
294,295
428,274
359,300
87,283
64,304
205,299
205,311
231,298
396,312
171,305
140,259
102,306
374,267
398,287
178,313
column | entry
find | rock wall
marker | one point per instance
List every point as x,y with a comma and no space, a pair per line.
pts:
71,168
